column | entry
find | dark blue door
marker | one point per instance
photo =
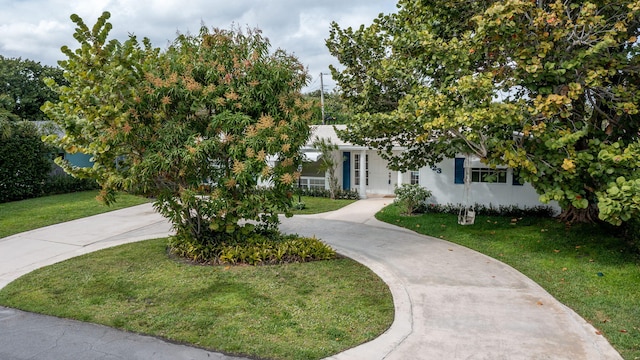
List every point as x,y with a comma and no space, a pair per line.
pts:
346,170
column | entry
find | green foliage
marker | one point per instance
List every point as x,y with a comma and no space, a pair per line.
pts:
198,127
24,164
340,194
328,163
512,211
336,109
65,183
254,249
631,232
6,115
410,197
546,87
23,82
365,83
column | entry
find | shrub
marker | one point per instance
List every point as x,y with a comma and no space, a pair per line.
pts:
64,183
257,249
339,194
24,164
540,211
410,197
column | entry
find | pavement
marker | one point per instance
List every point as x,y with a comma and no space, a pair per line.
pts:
450,302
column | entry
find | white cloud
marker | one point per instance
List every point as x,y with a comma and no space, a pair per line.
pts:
36,29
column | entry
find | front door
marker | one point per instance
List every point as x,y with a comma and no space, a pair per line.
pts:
346,170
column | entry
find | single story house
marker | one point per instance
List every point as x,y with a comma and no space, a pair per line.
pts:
363,170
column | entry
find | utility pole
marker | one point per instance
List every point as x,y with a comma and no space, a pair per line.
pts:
322,97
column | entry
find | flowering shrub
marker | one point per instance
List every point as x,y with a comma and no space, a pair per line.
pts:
411,196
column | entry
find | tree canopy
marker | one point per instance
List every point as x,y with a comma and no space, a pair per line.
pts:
200,126
549,88
336,110
23,82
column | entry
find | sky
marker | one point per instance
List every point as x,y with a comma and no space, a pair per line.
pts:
37,29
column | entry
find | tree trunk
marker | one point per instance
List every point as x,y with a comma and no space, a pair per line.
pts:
573,215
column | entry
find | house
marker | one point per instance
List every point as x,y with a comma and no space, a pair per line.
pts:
77,159
363,170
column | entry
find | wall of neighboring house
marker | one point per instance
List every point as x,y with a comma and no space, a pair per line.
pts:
78,159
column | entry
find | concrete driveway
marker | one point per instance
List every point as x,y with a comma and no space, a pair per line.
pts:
451,302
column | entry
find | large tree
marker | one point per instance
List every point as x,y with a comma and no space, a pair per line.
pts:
549,88
23,82
199,126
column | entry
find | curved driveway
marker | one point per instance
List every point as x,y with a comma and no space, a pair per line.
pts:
451,302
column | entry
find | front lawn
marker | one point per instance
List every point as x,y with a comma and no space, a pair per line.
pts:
24,215
294,311
585,267
315,205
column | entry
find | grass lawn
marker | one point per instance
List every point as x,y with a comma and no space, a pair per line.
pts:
315,205
295,311
585,267
19,216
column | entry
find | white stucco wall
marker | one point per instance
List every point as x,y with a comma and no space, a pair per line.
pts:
445,190
440,182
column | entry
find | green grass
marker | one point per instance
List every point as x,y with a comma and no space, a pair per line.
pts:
19,216
585,267
315,205
295,311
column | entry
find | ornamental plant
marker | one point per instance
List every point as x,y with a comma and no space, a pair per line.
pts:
198,127
411,197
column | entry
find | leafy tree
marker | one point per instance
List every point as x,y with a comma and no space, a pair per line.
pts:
23,82
6,116
335,108
364,82
199,126
547,87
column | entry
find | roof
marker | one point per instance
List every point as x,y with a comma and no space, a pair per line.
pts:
329,132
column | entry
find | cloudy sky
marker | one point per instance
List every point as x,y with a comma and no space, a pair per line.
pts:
36,29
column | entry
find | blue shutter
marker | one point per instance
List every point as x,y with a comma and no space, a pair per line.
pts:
459,173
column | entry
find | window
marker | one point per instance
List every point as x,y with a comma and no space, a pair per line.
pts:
356,169
487,175
315,183
415,177
516,178
312,182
